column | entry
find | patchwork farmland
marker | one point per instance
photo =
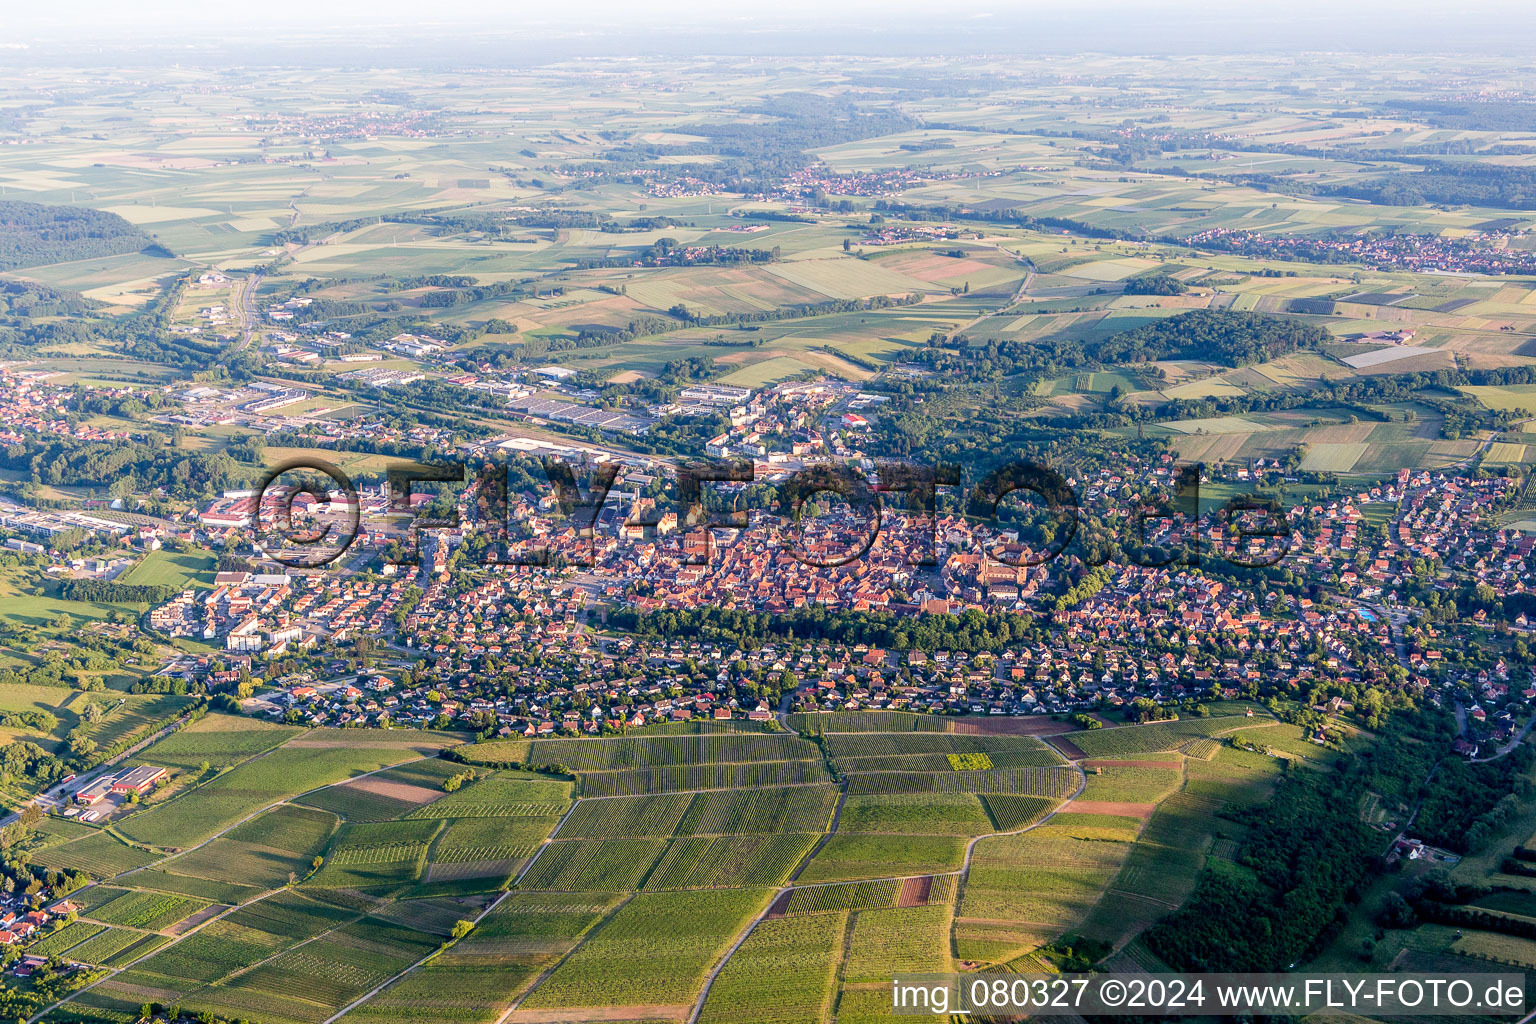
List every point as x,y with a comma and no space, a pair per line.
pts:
662,905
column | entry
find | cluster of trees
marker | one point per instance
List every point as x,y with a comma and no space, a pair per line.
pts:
143,465
665,252
1474,183
1145,709
453,782
111,591
29,299
1155,284
1309,857
1438,898
472,293
307,233
1475,918
748,154
676,435
799,121
1223,336
996,358
175,685
88,402
1091,583
1480,115
946,213
1466,805
969,631
1216,335
32,234
781,216
797,312
26,765
36,719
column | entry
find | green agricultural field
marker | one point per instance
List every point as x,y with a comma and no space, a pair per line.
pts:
1184,821
785,971
104,945
848,857
660,751
481,975
683,778
898,940
593,864
855,750
220,740
172,568
448,989
1296,743
756,811
868,721
389,794
1233,779
1157,737
148,911
284,772
654,951
1051,781
295,830
916,813
491,839
99,854
501,795
705,863
622,817
280,846
377,854
1045,880
58,943
536,925
1161,873
1131,784
836,898
1508,398
188,885
1010,813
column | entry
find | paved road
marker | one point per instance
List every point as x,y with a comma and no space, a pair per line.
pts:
243,301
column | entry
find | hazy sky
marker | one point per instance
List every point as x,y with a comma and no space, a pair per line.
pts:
807,26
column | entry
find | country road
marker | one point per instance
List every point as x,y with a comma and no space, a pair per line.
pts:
243,302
